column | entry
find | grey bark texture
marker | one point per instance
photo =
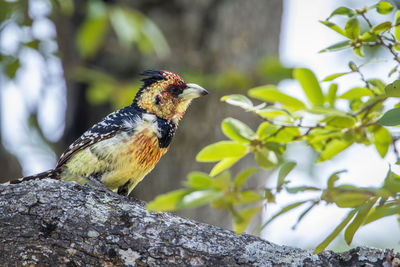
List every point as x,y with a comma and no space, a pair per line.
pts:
53,223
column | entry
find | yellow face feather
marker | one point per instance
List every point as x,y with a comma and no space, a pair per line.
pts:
161,100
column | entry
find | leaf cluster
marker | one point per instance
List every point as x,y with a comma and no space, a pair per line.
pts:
335,122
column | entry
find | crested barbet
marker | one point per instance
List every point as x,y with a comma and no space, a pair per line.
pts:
126,145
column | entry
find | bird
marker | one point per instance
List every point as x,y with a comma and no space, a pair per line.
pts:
120,150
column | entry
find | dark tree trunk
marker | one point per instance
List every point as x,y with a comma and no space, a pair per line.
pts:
9,165
53,223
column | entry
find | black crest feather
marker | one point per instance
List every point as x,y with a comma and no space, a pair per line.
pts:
153,76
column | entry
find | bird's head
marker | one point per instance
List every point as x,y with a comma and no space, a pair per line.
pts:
166,94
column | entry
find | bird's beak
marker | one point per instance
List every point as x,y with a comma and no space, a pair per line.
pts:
193,91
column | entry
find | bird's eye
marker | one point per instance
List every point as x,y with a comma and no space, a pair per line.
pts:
157,100
175,90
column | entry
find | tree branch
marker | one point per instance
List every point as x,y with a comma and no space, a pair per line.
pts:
54,223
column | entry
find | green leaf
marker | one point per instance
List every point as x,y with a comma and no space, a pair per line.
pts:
269,196
397,27
272,67
345,11
132,27
333,148
271,94
310,85
265,130
349,199
340,121
243,176
323,135
273,113
331,97
223,165
359,51
221,150
222,181
334,76
379,212
352,28
301,216
285,169
198,198
199,180
368,37
33,44
154,38
168,201
353,66
336,47
382,141
393,71
335,232
246,215
238,100
384,26
393,89
11,68
358,220
91,34
266,158
392,182
282,211
294,190
333,26
99,92
327,111
237,130
390,118
356,93
247,197
384,7
334,178
126,26
285,135
279,149
378,85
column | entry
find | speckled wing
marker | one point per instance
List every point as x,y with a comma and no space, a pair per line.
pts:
105,129
82,143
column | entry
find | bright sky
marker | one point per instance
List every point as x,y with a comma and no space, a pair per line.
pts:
301,39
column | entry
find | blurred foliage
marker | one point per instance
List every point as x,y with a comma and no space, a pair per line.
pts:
131,28
330,129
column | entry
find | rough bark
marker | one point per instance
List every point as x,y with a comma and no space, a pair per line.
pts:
52,223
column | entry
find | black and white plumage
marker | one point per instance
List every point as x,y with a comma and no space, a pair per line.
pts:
122,148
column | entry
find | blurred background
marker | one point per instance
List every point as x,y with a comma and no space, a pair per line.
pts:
65,64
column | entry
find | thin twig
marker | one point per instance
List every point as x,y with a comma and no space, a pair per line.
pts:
368,107
381,42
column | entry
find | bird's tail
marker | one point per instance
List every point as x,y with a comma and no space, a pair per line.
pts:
52,174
